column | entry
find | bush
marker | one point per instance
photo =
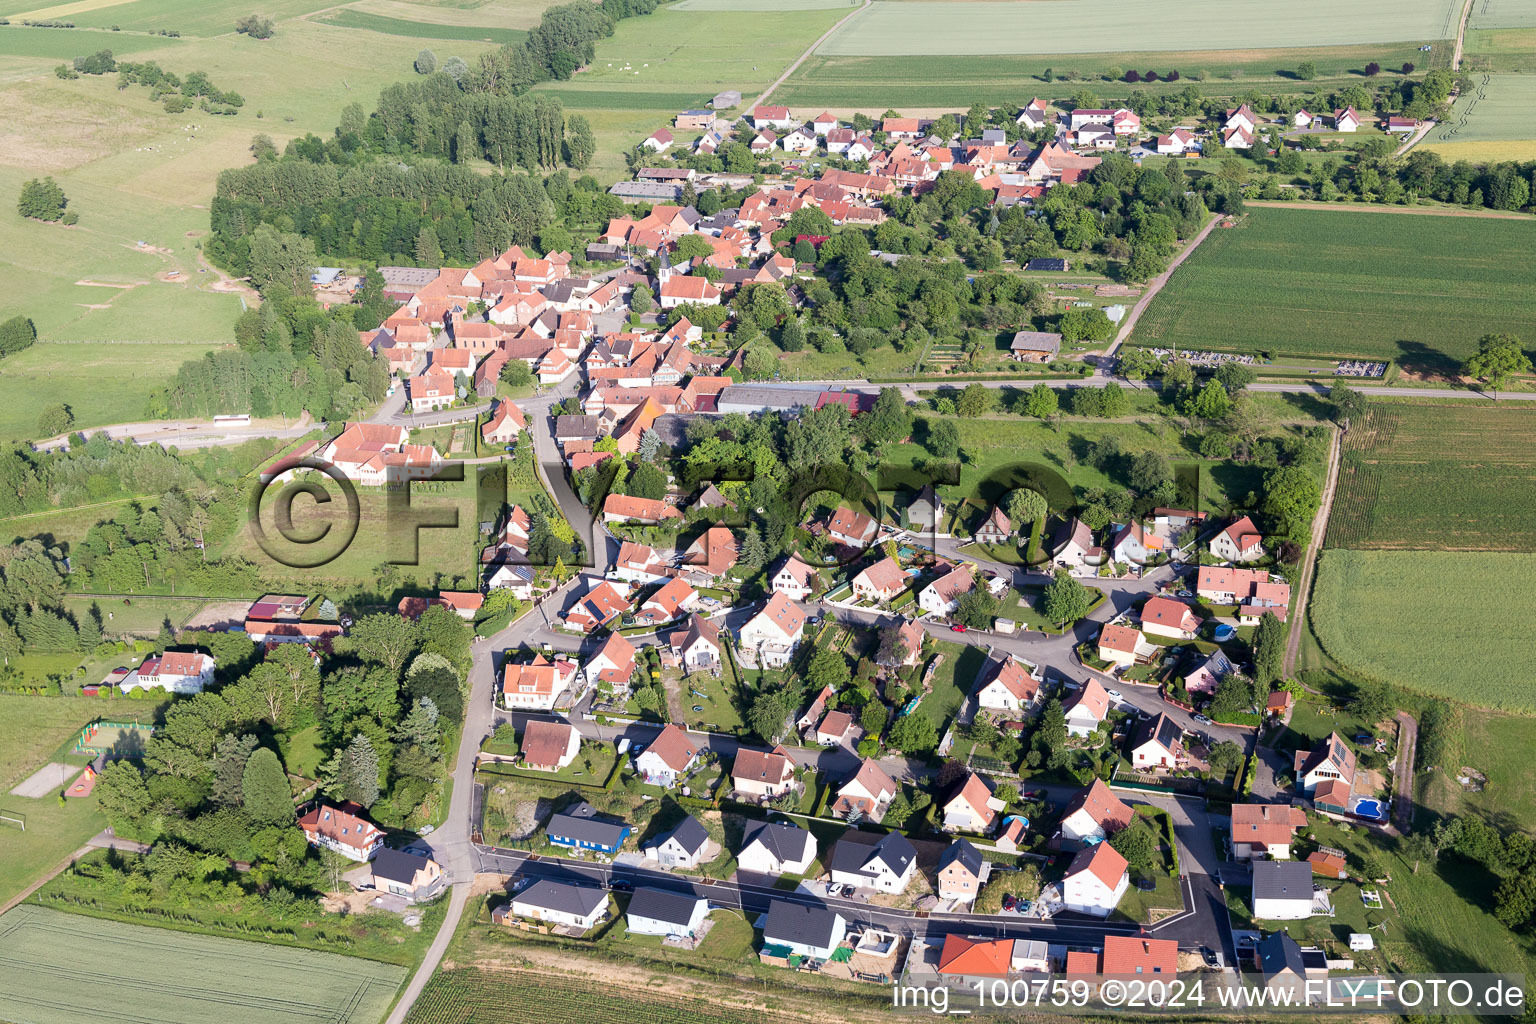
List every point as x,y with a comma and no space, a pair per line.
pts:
255,26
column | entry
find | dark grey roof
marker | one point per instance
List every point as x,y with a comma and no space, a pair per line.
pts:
587,830
645,190
760,397
962,851
690,835
855,854
1046,263
1036,341
794,922
575,426
926,498
580,900
785,842
1279,953
661,905
397,865
1282,880
566,289
1162,729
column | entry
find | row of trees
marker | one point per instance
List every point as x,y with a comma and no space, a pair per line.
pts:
176,93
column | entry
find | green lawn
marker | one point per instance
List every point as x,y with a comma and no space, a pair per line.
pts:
302,751
1498,746
143,616
722,702
1492,110
952,680
1419,290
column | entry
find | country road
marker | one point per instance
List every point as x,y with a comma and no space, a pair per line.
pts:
763,96
1314,549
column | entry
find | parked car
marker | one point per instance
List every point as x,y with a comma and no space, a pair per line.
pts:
1115,695
1202,720
621,885
957,627
1210,958
1009,904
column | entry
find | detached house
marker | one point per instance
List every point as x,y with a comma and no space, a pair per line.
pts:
683,847
1346,120
1134,544
1176,143
797,929
342,830
880,582
505,424
851,528
773,633
1332,760
1095,881
1239,542
1094,814
1123,646
1163,616
549,746
639,563
675,599
1087,709
774,849
699,646
971,807
793,579
407,875
688,289
771,117
172,671
763,773
866,795
996,529
1076,550
575,906
926,510
536,686
1008,685
942,596
1282,890
662,912
1265,830
1158,743
614,663
1033,117
669,756
961,873
868,860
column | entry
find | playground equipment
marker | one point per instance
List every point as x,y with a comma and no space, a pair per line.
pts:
15,819
120,739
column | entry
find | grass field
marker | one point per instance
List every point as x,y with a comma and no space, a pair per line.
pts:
140,973
472,996
346,17
763,5
1435,622
189,17
1499,746
1451,477
1495,109
1419,290
875,83
1098,26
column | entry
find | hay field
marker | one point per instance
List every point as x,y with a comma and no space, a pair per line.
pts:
189,17
1096,26
141,974
1496,109
762,5
422,31
1340,284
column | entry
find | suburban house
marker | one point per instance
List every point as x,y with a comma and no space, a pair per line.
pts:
834,728
505,424
407,874
942,596
1242,117
1128,956
793,579
772,635
1076,550
549,746
1164,616
580,831
1285,968
598,605
172,671
869,860
683,847
536,686
1251,590
1239,542
1176,143
911,634
675,599
613,663
771,117
961,872
1094,814
851,528
688,289
1123,646
1346,120
1008,684
964,956
575,906
1265,830
1282,890
880,582
639,563
996,529
699,646
343,830
801,930
1206,676
1134,544
773,849
1157,743
1033,117
1087,709
866,795
1038,346
622,508
668,757
763,773
970,806
1331,760
713,552
660,912
1095,880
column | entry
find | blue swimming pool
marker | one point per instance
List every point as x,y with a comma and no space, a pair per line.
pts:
1370,809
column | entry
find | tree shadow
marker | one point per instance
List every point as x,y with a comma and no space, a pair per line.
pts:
1417,357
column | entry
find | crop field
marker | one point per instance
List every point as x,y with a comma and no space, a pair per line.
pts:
1339,284
1495,110
1098,26
763,5
189,17
1451,477
142,974
346,17
875,83
1437,622
473,996
101,382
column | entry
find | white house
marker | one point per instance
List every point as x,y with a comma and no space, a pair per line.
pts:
1077,552
1242,117
1095,813
867,795
667,757
942,596
793,579
699,646
1239,542
808,930
614,663
862,148
1282,890
1008,685
971,807
1346,120
775,849
173,671
1265,830
549,746
771,117
660,912
851,527
1176,143
1164,616
763,773
1087,709
868,860
1095,881
683,847
658,141
639,563
1033,117
1123,645
1134,544
879,582
773,633
801,140
536,686
577,906
343,830
1158,743
1329,761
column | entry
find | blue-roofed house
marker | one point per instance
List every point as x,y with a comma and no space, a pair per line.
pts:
581,832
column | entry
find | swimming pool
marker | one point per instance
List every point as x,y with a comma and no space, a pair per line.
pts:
1370,809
